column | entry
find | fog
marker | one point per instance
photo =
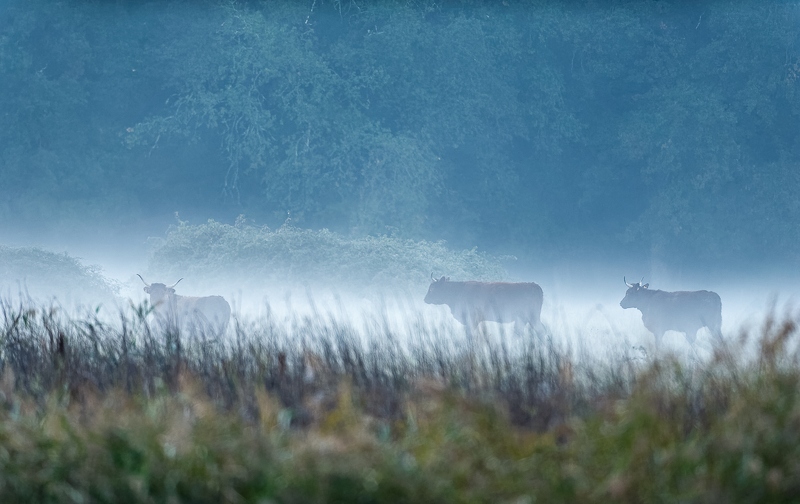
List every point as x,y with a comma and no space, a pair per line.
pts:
581,312
319,160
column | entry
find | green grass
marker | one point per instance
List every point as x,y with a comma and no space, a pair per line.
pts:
100,411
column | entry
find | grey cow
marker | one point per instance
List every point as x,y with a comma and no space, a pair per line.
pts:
474,302
188,312
683,311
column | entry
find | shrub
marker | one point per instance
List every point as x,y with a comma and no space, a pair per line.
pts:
252,257
47,275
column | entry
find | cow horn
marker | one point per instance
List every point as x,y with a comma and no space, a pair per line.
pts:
626,282
176,283
432,276
145,283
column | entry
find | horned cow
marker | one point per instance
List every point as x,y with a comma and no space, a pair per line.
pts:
188,312
683,311
474,302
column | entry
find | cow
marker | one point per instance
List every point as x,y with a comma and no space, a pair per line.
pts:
683,311
474,302
185,311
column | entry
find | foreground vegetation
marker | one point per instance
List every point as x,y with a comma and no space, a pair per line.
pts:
320,412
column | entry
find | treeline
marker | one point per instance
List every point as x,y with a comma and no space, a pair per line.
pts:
539,128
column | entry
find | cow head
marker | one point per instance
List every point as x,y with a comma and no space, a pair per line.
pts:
634,294
436,292
159,292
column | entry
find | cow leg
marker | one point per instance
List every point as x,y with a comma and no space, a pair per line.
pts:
470,329
537,327
658,335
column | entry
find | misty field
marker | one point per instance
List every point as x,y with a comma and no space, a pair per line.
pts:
322,407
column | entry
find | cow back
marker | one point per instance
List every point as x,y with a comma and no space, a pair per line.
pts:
494,301
212,309
684,310
191,312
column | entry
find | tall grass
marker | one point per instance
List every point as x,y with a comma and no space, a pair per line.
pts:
321,409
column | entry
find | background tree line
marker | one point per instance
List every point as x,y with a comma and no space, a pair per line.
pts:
540,128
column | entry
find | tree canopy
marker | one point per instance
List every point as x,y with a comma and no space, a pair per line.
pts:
539,128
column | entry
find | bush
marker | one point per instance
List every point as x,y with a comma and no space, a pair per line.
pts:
47,275
252,257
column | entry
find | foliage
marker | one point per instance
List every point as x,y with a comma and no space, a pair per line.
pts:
250,256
